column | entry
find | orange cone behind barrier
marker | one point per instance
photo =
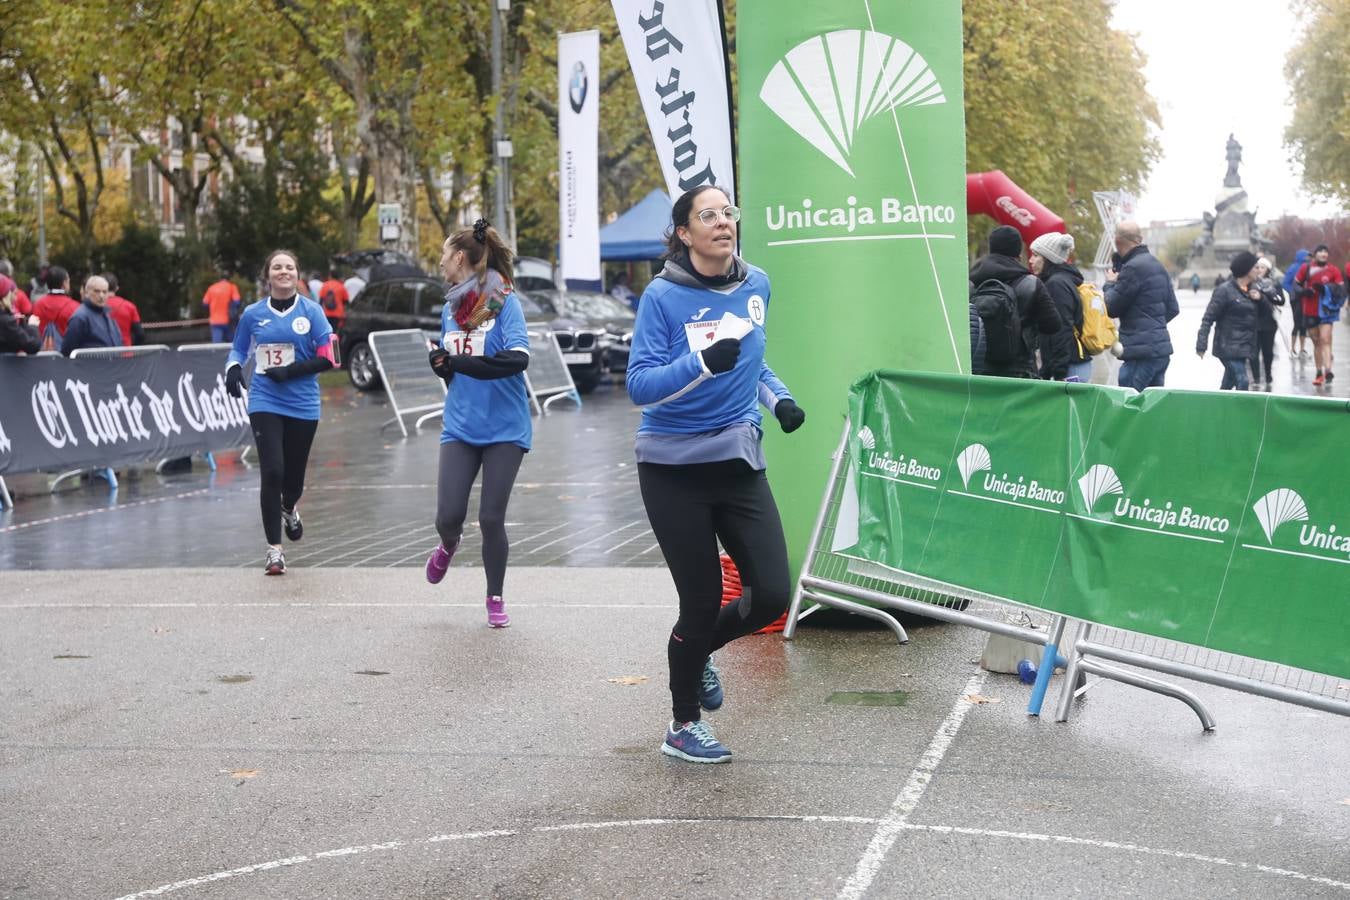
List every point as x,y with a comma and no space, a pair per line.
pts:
731,589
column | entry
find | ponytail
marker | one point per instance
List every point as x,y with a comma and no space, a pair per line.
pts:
484,248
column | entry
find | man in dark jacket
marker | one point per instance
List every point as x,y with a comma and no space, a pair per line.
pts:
1232,314
1035,308
1140,295
90,325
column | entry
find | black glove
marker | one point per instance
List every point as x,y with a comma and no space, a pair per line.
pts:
790,416
721,356
234,382
278,373
439,358
296,369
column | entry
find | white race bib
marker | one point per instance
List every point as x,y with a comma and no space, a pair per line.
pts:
472,343
700,334
270,355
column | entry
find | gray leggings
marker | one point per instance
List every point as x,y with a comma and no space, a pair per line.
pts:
459,466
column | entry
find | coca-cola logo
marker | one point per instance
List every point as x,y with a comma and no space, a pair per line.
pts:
1019,215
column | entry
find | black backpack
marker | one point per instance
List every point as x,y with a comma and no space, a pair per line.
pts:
996,304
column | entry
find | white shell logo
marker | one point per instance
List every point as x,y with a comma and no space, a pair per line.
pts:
1276,508
867,438
974,458
1099,481
300,325
828,86
755,309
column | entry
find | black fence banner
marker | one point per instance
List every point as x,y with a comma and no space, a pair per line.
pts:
58,414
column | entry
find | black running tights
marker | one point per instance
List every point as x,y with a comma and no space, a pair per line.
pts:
690,508
459,466
283,452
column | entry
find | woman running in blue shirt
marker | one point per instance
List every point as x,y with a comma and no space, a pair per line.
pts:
289,338
697,368
482,357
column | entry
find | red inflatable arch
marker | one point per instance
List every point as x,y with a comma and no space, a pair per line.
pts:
995,195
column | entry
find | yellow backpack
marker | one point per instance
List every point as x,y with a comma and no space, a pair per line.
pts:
1099,329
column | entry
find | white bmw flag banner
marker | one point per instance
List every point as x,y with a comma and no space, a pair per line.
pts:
578,151
678,59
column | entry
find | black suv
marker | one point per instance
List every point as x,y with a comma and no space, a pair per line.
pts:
416,302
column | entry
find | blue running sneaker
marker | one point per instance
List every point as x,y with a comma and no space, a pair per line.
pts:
710,688
694,742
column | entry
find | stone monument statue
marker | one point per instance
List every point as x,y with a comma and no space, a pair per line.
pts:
1232,180
1227,231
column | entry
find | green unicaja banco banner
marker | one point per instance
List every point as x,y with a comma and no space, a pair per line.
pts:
852,183
1221,521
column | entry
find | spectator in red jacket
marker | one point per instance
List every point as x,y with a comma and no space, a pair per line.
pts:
1322,292
124,313
222,303
55,307
333,298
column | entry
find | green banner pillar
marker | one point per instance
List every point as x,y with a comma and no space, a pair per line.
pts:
852,147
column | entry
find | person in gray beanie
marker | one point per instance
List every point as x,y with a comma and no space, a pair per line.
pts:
1062,355
1232,315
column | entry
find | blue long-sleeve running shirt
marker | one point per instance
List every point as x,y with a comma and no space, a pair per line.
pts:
677,318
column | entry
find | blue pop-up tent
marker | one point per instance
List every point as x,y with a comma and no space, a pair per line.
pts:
638,234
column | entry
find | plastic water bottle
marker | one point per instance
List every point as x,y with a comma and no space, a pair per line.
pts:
1026,671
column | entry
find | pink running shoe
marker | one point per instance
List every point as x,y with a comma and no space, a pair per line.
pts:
439,561
497,616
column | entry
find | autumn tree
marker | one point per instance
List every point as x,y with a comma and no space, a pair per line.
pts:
1320,86
57,100
1056,98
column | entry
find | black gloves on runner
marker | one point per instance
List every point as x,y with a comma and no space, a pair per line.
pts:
296,369
439,358
234,382
790,416
721,356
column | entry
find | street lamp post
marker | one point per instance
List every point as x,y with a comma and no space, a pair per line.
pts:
501,149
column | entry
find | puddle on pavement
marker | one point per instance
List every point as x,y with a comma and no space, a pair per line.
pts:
69,656
869,698
233,679
631,751
370,672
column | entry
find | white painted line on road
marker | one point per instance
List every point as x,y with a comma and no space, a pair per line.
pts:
910,794
1130,848
638,536
102,509
714,820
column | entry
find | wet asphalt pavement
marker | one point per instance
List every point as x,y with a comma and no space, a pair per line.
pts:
172,723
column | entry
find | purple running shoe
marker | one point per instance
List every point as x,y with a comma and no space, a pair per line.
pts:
439,561
497,616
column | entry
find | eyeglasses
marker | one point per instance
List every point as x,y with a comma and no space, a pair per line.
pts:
710,216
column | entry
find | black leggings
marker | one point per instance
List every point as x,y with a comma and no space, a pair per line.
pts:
283,452
691,507
459,466
1265,350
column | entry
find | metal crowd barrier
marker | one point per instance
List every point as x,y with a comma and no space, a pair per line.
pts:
834,580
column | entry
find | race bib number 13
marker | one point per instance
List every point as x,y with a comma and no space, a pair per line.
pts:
270,355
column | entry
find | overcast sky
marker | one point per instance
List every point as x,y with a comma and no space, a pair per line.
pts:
1215,67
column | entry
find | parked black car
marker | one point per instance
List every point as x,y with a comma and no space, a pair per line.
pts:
416,302
596,312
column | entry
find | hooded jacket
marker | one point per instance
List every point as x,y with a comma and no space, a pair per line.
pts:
1142,299
1062,348
1037,311
689,414
1232,314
